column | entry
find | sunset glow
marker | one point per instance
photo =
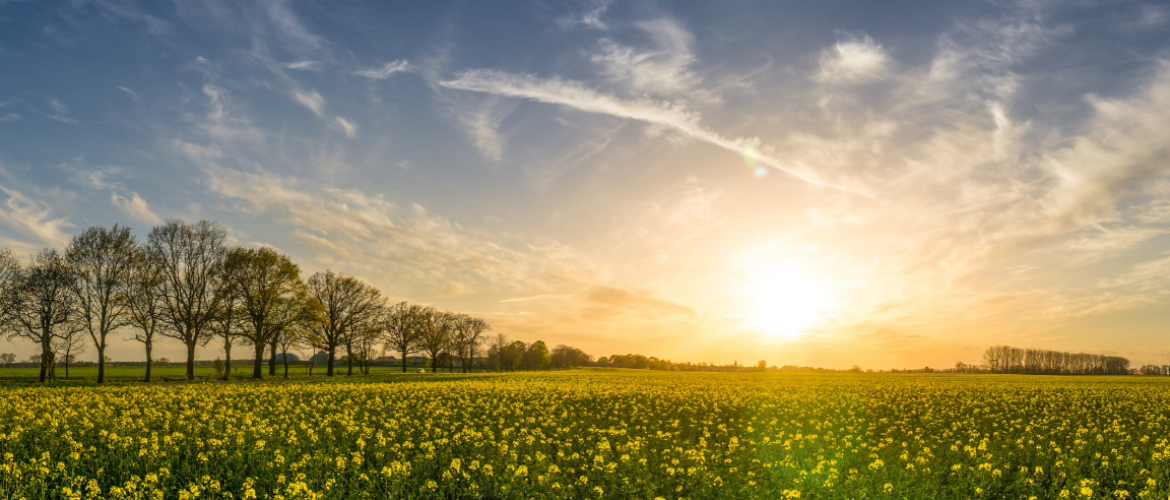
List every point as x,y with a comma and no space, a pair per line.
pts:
822,184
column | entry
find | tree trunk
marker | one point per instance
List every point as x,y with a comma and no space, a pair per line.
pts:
329,368
258,364
349,359
101,363
272,361
404,361
286,365
149,362
191,361
227,362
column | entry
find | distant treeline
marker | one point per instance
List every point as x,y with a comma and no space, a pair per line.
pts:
1008,359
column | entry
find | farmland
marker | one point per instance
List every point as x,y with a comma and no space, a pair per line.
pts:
593,434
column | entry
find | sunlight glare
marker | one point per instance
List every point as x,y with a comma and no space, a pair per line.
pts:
785,301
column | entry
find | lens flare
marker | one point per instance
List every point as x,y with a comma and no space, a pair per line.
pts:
751,157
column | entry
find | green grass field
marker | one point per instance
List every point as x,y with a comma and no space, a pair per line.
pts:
594,434
133,375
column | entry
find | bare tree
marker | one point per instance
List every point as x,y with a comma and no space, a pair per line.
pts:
401,329
435,326
70,346
38,302
345,301
101,260
228,324
143,297
188,257
498,351
466,340
290,337
7,359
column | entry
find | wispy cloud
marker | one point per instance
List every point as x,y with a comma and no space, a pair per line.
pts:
34,218
661,71
399,66
59,112
135,207
347,126
855,60
311,100
577,96
590,18
9,117
417,248
304,65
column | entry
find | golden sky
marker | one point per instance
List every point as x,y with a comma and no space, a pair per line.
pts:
833,184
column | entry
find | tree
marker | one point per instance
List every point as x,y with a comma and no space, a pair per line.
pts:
290,337
564,357
228,324
271,296
497,351
401,329
466,339
536,357
101,261
71,346
38,302
513,356
435,326
188,257
7,359
345,300
143,296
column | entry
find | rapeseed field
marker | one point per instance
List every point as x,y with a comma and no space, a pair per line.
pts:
596,435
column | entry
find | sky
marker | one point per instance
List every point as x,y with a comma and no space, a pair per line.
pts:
888,184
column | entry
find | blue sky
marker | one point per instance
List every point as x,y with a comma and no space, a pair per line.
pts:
882,183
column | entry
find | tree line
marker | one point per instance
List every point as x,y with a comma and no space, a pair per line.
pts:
185,284
1008,359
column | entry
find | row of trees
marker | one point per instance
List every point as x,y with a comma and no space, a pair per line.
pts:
1007,359
184,283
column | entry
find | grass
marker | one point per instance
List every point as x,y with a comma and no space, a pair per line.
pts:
170,374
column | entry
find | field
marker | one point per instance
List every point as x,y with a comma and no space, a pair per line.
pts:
594,434
123,375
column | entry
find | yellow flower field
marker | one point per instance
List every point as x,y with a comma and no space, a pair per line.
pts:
643,435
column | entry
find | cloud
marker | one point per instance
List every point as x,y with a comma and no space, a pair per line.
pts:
59,111
406,246
347,126
311,100
135,207
33,218
853,61
590,18
133,95
662,71
304,65
288,25
605,301
220,124
10,117
481,123
386,71
577,96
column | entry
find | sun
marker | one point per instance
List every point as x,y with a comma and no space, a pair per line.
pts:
785,301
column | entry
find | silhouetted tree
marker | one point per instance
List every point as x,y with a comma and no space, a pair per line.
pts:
143,296
345,301
38,302
188,257
402,329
